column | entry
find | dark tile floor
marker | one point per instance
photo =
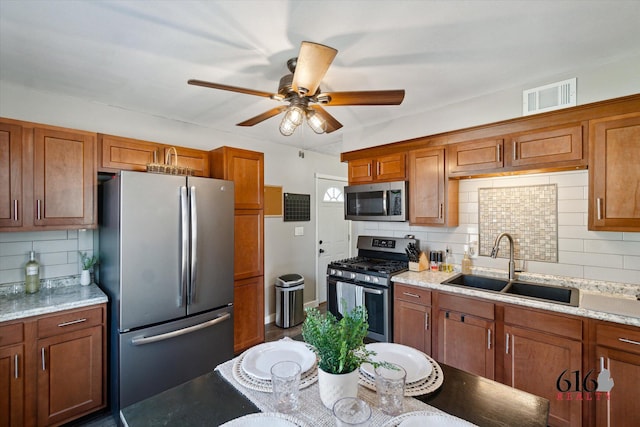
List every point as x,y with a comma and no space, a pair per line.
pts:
271,333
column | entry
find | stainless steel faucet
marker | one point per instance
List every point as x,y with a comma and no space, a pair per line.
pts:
496,248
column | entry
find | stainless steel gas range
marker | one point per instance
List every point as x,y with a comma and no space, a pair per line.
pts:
366,280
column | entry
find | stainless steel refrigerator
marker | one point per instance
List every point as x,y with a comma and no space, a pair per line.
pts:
166,263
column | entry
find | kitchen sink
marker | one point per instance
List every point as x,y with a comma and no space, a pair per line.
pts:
479,282
551,293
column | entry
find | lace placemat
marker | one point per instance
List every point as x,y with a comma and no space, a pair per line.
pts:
436,420
417,388
312,411
264,418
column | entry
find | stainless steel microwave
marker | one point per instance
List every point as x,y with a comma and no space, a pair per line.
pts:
384,201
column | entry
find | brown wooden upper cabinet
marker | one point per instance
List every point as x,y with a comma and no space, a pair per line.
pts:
548,149
476,156
118,153
391,167
614,173
55,184
246,169
433,198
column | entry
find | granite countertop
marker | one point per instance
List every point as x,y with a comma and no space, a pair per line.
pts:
613,302
49,300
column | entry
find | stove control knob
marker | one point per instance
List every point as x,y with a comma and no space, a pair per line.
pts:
367,279
375,280
352,275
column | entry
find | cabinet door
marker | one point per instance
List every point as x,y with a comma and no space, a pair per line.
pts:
548,148
620,406
614,173
533,362
390,168
248,244
412,325
476,157
360,171
197,160
70,375
466,342
11,200
64,178
248,313
433,199
246,169
12,386
118,153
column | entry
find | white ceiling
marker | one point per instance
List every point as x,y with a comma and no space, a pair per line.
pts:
138,55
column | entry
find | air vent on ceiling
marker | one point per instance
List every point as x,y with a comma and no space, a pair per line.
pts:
549,97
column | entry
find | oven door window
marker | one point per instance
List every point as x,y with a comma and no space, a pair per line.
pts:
369,203
376,314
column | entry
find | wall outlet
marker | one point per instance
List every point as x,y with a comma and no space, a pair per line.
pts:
298,231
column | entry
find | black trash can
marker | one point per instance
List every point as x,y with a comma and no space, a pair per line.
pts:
289,295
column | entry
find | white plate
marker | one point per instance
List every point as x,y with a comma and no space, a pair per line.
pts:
425,419
272,419
412,360
259,359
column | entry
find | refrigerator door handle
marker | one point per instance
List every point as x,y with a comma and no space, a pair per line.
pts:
177,333
194,245
184,245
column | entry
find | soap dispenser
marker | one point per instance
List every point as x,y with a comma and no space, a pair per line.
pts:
466,261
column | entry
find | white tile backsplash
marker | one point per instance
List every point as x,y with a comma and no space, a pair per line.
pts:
56,251
597,255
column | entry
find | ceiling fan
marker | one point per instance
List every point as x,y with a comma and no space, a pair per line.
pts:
301,91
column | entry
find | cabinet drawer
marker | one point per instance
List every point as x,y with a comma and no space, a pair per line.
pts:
69,321
412,294
558,324
466,305
11,334
618,337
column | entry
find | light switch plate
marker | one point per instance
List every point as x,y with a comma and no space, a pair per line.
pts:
299,231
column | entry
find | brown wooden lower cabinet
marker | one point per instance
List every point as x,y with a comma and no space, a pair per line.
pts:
52,367
412,317
617,350
466,331
248,313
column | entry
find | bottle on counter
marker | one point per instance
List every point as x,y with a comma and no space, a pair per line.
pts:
466,261
32,274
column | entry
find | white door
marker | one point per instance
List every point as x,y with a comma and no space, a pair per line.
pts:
333,230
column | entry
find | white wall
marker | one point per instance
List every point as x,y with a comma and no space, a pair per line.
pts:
597,255
57,251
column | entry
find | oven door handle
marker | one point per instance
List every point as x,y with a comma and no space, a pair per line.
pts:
372,291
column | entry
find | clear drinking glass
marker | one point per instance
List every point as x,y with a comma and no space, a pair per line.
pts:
285,378
351,412
390,382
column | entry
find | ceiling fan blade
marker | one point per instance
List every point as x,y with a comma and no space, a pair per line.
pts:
231,88
373,97
332,123
264,116
312,64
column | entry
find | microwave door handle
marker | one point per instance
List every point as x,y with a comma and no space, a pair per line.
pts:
385,200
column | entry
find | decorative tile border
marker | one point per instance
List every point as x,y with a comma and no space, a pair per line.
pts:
529,214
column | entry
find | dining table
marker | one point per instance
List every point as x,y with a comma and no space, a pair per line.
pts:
214,399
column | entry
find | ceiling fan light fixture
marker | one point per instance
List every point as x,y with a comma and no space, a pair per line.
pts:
316,123
295,115
287,127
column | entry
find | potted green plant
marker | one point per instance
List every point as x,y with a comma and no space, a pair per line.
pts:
339,345
87,264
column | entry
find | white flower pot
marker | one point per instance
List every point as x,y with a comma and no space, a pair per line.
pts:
85,278
336,386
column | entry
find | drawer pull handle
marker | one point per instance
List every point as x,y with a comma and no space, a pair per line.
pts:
628,341
72,322
426,321
15,367
507,345
409,294
44,367
488,339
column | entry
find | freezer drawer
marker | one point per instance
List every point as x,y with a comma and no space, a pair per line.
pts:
160,357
